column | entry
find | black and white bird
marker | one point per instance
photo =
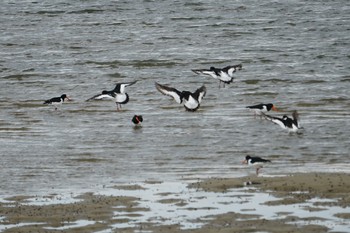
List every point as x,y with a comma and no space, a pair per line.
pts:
121,96
224,75
137,119
257,162
118,94
56,101
291,124
104,95
191,101
259,109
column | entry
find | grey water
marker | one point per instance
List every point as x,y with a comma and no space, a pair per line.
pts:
295,54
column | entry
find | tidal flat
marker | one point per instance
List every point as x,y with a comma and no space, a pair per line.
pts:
301,202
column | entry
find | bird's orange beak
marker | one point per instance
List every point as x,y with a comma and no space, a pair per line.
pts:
274,109
68,99
245,162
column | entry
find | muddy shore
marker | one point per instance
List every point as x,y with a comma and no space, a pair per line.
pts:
101,212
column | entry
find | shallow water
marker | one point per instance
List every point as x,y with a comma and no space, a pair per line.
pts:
294,54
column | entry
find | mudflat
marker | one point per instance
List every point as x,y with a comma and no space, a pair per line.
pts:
98,213
295,188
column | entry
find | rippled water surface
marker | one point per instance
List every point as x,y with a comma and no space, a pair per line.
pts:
295,54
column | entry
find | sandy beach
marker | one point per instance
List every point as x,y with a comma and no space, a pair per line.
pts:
91,212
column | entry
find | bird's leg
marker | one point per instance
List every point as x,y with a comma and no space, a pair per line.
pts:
119,107
257,170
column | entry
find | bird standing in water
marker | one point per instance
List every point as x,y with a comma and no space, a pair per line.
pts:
121,97
118,94
191,101
57,101
257,162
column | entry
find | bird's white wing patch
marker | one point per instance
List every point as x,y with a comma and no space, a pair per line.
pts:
231,70
211,73
101,97
274,120
169,91
104,96
224,76
202,92
278,122
206,72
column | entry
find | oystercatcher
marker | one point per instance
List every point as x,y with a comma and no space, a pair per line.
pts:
224,75
291,124
137,119
191,101
121,97
56,101
262,108
257,162
104,95
117,94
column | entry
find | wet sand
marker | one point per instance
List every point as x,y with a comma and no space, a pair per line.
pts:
294,188
97,213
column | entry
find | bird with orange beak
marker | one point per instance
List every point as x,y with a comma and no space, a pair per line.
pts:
56,101
257,162
259,109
